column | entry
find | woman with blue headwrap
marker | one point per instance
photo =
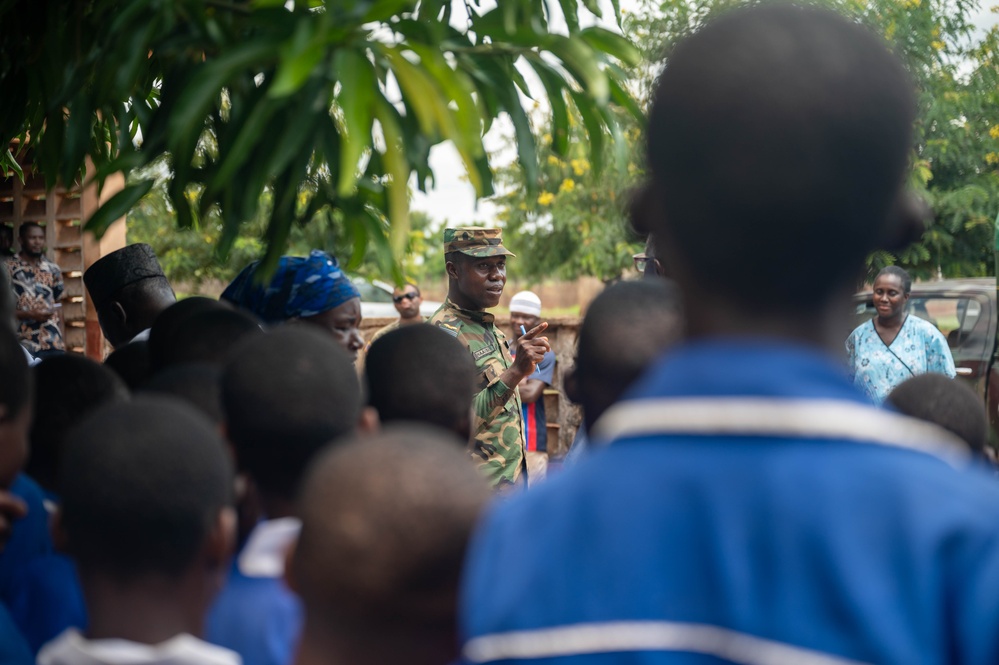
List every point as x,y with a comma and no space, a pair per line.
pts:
312,289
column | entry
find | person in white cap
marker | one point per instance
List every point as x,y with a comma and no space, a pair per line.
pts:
525,313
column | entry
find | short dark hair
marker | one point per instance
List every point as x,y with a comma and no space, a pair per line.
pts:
902,275
131,363
7,230
198,384
165,327
15,386
25,226
205,337
646,313
286,394
143,484
778,140
67,388
945,402
385,524
419,372
404,285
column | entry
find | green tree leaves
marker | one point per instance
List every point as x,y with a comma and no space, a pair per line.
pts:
117,206
332,106
568,231
957,75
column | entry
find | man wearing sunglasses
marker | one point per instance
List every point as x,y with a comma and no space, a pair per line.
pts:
407,301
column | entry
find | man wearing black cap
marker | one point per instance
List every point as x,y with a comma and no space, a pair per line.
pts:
38,287
129,290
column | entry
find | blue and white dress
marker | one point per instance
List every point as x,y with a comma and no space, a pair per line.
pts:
876,367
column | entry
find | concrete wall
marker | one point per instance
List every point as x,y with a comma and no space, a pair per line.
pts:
555,295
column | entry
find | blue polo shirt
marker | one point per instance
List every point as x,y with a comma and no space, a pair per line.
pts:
256,614
29,538
824,531
48,599
13,649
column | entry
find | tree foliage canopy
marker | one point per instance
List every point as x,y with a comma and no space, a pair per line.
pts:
188,256
578,227
331,106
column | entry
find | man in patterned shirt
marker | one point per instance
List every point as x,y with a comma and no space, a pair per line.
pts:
38,287
476,268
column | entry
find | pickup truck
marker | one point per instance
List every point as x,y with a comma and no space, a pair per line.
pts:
965,312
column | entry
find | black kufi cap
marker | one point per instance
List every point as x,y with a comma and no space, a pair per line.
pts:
120,268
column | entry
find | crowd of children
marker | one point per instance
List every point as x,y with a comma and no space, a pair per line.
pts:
153,524
227,489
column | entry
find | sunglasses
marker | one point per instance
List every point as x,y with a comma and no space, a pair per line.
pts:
405,296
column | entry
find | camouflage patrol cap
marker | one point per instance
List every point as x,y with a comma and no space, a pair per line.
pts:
475,241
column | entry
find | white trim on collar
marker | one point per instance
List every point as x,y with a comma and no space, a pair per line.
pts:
779,417
143,336
72,648
266,548
632,636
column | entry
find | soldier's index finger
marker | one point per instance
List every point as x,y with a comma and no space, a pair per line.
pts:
530,334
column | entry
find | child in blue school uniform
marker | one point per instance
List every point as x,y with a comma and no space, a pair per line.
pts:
750,504
20,538
147,515
285,395
24,531
45,597
378,570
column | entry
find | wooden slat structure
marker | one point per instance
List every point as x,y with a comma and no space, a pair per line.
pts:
62,211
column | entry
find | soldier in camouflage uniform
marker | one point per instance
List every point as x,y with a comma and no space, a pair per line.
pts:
476,268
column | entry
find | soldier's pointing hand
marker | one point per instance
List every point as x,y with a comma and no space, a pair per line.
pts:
531,349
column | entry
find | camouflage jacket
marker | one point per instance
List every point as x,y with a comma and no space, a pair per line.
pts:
497,426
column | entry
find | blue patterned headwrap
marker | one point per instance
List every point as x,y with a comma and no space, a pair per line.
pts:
300,287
